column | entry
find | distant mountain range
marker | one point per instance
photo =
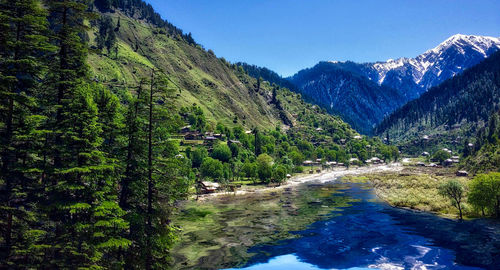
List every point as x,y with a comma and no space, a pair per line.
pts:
364,93
457,107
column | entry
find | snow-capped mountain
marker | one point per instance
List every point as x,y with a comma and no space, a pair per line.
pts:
449,58
388,85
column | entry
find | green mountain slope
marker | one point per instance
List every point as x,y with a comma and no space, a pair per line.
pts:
199,75
224,91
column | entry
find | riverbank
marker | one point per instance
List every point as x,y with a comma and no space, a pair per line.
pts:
415,188
325,176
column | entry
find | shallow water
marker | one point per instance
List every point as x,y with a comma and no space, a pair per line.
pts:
371,234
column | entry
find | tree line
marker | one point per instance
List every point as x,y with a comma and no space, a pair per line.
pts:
85,180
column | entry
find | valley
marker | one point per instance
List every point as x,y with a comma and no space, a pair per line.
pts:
127,144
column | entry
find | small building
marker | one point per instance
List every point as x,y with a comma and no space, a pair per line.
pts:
374,160
319,129
448,162
318,160
353,160
185,129
307,163
425,137
357,137
342,141
208,187
421,164
209,140
432,165
193,136
248,132
288,176
425,154
462,173
235,142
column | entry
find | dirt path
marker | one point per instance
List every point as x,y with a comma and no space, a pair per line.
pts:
318,177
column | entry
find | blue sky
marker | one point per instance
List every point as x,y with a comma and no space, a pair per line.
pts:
288,35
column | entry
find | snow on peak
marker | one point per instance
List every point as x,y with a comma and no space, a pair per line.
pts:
477,43
427,61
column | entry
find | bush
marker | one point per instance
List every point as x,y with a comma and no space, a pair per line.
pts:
279,174
298,169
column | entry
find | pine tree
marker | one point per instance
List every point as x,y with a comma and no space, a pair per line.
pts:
23,42
167,178
87,225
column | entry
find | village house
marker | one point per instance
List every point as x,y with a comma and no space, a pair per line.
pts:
235,142
209,140
193,136
185,129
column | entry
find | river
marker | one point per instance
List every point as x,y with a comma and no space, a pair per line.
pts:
352,229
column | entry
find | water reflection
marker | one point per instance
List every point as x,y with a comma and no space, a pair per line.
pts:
371,234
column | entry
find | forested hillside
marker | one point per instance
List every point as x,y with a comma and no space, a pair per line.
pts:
460,105
110,116
482,152
359,101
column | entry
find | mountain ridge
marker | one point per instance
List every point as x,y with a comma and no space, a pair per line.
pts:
403,79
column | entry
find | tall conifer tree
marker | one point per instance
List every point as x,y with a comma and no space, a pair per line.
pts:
23,45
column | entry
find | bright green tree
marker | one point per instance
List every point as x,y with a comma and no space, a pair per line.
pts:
485,193
455,191
264,167
279,174
212,168
222,153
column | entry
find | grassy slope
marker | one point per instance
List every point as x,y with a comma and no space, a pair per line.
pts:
222,91
201,77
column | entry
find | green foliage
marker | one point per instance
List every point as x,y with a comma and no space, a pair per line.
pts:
455,191
222,153
485,193
441,156
264,167
212,168
279,174
249,169
198,155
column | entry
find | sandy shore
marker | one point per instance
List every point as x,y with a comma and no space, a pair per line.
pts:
322,177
